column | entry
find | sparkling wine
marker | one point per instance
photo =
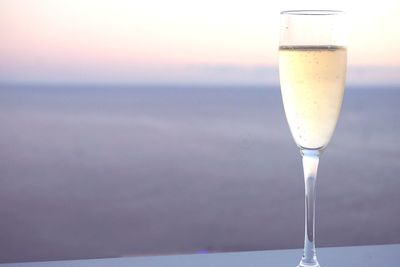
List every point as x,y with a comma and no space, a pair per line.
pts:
312,84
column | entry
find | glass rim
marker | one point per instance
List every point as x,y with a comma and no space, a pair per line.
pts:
311,12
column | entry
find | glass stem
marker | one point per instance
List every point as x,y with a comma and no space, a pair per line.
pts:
310,167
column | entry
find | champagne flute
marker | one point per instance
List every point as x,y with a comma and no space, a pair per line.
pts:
312,72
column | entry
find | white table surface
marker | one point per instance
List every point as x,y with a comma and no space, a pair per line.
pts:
358,256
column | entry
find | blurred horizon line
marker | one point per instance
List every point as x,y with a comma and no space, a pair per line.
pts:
92,84
195,74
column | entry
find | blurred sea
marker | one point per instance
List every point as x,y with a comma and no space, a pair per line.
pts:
106,171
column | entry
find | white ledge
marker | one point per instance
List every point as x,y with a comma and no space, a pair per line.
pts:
358,256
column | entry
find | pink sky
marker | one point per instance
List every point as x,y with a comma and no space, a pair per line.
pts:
176,41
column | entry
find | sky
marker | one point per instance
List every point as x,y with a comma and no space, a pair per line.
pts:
179,41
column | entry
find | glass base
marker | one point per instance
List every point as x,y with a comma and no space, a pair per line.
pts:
309,264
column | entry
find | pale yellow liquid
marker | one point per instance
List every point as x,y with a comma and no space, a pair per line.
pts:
312,84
